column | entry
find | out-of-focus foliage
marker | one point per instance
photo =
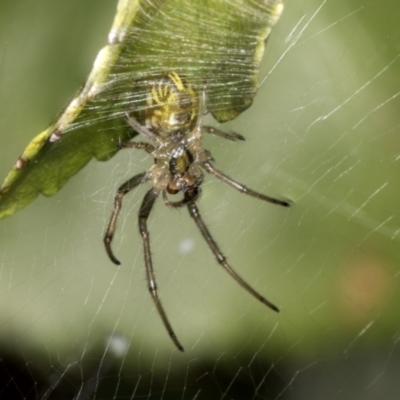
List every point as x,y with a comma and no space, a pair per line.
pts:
216,44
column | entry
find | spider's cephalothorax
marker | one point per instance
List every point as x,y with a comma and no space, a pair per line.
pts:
172,126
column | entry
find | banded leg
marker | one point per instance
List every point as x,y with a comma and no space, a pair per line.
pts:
180,203
225,135
169,203
122,191
194,213
145,209
241,188
147,147
143,130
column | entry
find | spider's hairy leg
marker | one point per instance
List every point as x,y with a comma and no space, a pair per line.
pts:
194,213
145,209
143,130
147,147
175,204
241,188
180,203
122,191
225,135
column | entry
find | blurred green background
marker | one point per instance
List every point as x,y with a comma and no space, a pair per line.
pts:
323,131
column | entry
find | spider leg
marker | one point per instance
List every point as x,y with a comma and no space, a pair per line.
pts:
169,203
144,212
147,147
194,213
122,191
179,203
241,188
143,130
225,135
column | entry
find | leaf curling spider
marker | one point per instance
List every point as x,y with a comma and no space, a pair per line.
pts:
170,122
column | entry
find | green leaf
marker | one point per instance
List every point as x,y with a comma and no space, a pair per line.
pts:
216,44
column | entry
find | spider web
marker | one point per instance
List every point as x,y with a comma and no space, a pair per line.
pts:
322,132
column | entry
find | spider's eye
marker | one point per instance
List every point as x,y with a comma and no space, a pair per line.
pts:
172,106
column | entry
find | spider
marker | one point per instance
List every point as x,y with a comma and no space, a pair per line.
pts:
170,122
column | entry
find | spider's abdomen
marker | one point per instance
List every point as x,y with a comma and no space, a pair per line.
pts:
172,106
